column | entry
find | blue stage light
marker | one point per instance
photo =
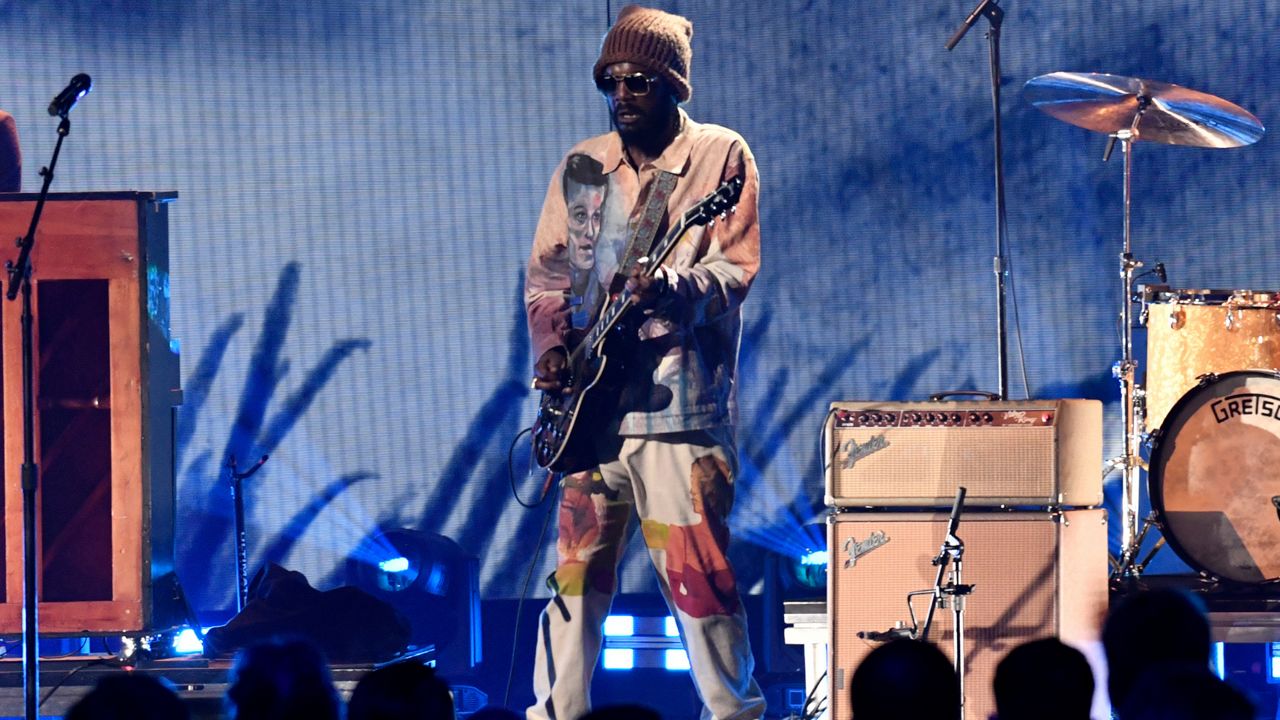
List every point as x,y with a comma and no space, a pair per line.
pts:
394,565
1217,661
619,659
619,626
187,643
809,569
817,557
669,627
675,660
1273,662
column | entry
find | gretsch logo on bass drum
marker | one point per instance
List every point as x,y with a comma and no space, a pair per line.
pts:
1267,406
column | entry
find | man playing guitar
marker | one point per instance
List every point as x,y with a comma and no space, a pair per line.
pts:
665,449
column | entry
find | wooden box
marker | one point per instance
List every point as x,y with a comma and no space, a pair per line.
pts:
107,382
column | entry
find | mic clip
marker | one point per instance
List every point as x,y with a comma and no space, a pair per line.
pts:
894,633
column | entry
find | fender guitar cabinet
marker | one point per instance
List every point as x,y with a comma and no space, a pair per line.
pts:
1034,575
106,377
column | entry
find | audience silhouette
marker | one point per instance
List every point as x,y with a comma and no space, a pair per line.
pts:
622,712
1151,627
129,696
1181,691
905,679
1043,680
285,679
404,691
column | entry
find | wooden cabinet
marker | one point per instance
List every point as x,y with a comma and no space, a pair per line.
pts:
107,383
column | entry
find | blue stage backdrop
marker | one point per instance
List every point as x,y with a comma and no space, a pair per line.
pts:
360,180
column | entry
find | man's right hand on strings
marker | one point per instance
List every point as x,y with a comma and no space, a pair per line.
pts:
551,371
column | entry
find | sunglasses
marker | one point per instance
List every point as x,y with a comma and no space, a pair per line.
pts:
635,83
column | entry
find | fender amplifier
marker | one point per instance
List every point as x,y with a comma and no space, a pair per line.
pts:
1033,452
1034,575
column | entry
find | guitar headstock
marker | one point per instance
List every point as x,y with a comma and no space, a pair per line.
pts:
717,203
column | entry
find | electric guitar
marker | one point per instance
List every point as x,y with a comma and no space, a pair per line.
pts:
561,432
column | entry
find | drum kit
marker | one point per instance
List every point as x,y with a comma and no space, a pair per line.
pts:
1209,410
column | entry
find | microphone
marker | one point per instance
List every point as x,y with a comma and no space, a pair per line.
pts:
76,89
897,633
984,6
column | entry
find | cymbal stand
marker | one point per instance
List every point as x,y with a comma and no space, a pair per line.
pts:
1130,462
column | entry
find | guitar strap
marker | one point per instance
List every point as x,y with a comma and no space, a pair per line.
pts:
654,197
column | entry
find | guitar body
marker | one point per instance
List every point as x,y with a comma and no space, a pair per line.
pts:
564,434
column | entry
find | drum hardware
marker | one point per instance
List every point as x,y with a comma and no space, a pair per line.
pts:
1140,566
1127,110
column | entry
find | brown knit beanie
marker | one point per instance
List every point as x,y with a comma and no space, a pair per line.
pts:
655,39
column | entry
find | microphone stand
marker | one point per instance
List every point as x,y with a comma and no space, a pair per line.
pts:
242,537
995,16
951,553
20,281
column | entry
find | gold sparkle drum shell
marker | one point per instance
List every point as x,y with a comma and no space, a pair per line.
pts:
1196,332
1215,476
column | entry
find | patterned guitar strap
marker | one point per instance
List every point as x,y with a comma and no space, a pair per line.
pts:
654,197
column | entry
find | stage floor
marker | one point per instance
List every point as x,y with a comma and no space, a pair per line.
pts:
200,682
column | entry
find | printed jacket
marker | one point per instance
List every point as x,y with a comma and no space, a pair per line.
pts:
685,379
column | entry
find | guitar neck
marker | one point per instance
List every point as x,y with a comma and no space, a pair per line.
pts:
615,309
703,212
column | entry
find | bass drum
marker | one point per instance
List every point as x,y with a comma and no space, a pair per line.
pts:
1215,476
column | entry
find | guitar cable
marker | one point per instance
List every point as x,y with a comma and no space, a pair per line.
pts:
537,552
511,474
528,575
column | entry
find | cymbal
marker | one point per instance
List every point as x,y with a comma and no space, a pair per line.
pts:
1165,113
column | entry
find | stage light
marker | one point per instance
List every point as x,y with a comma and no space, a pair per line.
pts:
1218,662
187,643
809,570
676,660
430,580
619,659
642,641
817,557
1273,662
619,626
394,565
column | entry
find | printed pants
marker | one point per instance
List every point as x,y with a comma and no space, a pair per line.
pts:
681,487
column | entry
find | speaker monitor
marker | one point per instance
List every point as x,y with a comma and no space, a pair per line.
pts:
1035,575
